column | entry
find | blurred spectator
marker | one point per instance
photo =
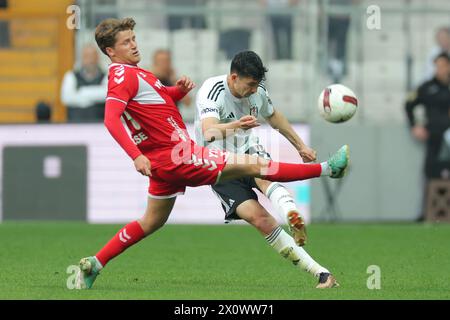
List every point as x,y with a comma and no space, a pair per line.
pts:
338,25
4,27
442,45
162,69
281,26
43,112
434,96
186,21
83,90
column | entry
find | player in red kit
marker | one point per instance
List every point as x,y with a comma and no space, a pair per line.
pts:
161,147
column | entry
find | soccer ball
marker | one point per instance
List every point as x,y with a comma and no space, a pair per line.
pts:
337,103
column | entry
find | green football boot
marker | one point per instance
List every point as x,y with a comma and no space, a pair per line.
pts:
338,162
89,270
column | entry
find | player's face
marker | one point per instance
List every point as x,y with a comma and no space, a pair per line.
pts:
89,58
125,49
244,86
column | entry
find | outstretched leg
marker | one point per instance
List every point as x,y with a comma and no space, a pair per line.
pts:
240,165
255,214
284,203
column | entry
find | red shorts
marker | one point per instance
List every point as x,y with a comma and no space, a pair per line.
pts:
193,166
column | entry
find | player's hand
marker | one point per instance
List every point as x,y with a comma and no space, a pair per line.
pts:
308,154
185,84
248,122
142,164
420,133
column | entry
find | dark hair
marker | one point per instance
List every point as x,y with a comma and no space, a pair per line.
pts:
443,55
248,64
106,31
43,112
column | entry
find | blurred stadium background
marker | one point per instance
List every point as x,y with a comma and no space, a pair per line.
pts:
75,171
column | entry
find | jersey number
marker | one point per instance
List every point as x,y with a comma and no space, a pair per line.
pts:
136,125
140,137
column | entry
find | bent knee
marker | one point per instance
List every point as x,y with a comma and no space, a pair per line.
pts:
262,184
150,224
263,222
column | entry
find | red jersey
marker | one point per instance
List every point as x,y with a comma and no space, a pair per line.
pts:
149,110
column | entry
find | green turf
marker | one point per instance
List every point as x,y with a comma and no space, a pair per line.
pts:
226,262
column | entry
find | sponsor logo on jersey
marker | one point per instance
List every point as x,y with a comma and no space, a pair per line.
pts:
158,84
119,74
206,110
230,116
254,111
177,128
204,163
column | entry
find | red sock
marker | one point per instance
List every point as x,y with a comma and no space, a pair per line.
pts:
126,237
285,172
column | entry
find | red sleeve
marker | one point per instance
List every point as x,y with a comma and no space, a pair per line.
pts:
113,112
122,84
175,93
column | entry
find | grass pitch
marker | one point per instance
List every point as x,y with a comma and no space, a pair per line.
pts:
226,262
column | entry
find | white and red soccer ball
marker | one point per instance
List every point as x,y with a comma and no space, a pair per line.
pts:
337,103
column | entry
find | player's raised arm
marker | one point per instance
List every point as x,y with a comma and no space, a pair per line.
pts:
185,84
181,88
278,121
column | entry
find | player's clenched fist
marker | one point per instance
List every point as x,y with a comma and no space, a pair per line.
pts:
185,84
142,164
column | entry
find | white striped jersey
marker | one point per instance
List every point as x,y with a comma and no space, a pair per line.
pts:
214,99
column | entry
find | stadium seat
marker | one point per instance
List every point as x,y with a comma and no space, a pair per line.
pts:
200,44
222,67
431,4
294,105
383,107
26,77
384,44
437,202
289,70
394,70
257,42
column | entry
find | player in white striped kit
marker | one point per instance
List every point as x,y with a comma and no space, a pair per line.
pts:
227,110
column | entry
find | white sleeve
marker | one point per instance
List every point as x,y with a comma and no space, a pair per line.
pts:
83,97
267,106
206,108
95,93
